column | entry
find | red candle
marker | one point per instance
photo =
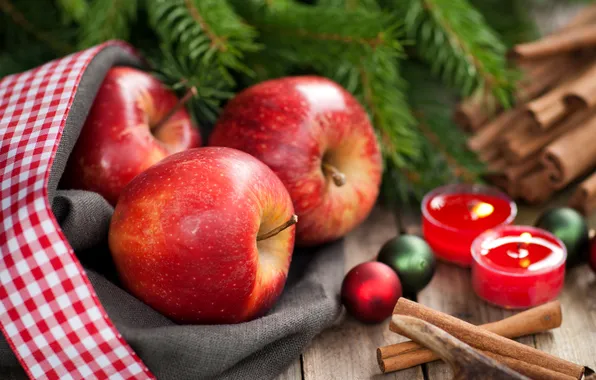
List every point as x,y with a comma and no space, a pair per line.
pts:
518,266
454,215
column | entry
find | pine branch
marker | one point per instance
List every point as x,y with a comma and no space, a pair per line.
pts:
18,18
511,19
443,154
73,10
350,5
107,20
208,32
359,49
453,38
181,73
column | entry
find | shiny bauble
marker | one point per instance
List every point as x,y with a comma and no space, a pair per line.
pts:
412,259
370,291
569,226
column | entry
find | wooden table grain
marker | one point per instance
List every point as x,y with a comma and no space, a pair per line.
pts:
346,351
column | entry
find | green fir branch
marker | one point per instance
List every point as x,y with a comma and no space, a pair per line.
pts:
359,49
180,74
454,39
511,19
350,5
444,156
16,17
73,10
208,32
106,20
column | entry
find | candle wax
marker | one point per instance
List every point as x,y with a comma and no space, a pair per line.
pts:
469,211
518,267
518,254
453,220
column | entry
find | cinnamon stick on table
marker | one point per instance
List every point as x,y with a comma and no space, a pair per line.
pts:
562,42
572,155
409,354
584,197
465,362
487,341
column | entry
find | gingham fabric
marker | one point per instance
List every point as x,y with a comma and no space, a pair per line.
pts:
49,312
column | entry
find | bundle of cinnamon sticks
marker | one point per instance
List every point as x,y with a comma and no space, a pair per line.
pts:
545,142
489,340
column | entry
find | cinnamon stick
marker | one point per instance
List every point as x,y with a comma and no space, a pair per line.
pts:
582,92
497,165
489,154
545,76
571,155
551,107
483,139
529,142
584,197
511,188
509,176
530,370
482,339
564,41
474,111
465,362
535,187
409,354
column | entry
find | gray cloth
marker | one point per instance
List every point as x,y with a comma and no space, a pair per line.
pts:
258,349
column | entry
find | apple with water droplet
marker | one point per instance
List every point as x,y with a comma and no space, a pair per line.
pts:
318,139
205,236
134,122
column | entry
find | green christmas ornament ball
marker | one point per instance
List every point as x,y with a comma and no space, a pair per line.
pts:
412,259
569,226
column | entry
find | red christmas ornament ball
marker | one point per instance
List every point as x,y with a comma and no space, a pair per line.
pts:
370,291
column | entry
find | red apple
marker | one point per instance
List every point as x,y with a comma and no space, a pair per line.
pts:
127,131
318,140
205,236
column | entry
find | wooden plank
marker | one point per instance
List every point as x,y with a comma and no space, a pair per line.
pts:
348,350
576,339
450,291
293,372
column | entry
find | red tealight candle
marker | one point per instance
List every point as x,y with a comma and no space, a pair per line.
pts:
518,266
454,215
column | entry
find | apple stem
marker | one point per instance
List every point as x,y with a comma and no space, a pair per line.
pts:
293,220
181,102
338,177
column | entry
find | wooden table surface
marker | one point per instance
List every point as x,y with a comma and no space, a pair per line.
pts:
347,351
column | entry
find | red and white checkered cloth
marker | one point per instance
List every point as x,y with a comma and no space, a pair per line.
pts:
49,313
